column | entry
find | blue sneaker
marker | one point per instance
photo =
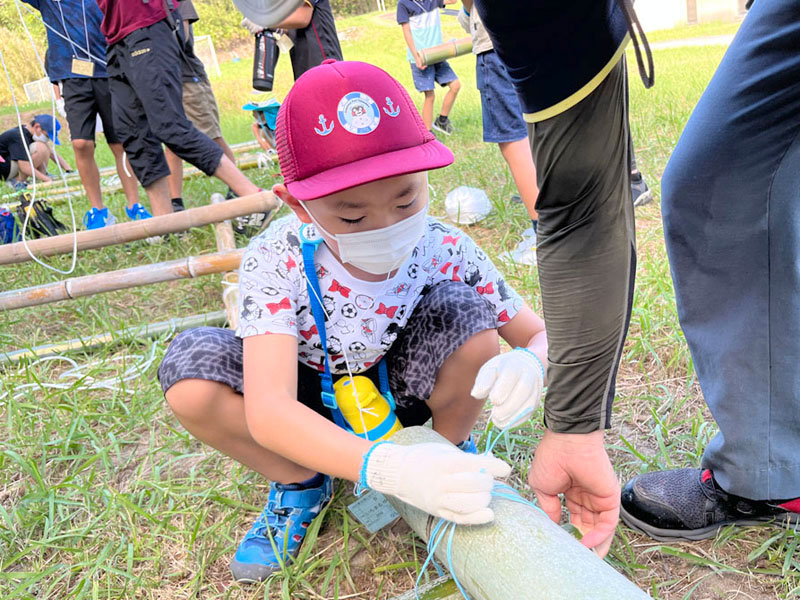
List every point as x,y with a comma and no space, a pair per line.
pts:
19,186
97,219
137,212
469,446
284,522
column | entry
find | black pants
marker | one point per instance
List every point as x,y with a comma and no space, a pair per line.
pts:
147,104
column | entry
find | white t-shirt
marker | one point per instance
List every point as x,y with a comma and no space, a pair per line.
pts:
364,317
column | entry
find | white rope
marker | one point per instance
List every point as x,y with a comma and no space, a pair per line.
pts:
63,37
80,380
30,158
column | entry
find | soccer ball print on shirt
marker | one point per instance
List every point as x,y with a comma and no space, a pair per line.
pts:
364,318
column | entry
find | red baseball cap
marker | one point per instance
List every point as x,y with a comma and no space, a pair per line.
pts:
346,123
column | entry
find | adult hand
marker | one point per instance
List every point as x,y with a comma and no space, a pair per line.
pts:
437,478
576,464
513,383
251,27
418,59
60,107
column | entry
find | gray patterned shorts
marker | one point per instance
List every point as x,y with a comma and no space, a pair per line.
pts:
446,316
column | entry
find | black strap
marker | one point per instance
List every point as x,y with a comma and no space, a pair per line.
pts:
648,76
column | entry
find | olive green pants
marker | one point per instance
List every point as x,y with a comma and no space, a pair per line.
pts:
586,252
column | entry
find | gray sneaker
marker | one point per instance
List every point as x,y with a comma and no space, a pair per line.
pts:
641,193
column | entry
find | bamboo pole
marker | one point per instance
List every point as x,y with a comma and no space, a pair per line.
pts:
230,280
521,555
59,194
88,285
451,49
137,230
91,342
112,170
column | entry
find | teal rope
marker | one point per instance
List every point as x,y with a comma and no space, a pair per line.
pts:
447,528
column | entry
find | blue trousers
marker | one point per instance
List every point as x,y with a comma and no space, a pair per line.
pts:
731,208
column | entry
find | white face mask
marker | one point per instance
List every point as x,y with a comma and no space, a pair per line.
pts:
379,251
42,137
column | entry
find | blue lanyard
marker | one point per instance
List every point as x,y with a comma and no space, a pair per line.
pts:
309,248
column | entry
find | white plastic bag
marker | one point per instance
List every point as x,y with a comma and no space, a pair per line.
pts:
467,205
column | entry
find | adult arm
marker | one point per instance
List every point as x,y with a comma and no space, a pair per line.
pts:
299,19
58,159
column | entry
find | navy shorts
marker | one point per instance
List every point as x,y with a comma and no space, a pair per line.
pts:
440,73
502,114
446,317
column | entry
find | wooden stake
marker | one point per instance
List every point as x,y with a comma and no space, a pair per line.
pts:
138,230
521,555
230,280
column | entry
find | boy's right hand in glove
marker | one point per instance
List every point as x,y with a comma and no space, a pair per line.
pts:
437,478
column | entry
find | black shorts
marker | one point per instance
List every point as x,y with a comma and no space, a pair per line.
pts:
84,99
446,317
147,95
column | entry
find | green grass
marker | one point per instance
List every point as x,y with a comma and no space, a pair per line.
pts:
104,495
693,31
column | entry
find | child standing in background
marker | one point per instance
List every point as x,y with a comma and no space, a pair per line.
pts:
503,124
422,28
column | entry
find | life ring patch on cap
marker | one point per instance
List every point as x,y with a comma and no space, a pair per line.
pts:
358,113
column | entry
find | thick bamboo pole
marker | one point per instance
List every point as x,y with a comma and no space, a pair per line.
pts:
88,285
91,342
230,280
521,555
450,49
137,230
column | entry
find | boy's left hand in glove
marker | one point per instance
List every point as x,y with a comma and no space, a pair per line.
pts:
513,383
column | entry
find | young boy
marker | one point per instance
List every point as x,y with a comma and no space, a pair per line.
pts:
422,29
358,281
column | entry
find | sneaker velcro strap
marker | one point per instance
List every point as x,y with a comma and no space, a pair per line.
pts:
298,498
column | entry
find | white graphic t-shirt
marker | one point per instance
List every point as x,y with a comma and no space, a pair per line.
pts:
364,317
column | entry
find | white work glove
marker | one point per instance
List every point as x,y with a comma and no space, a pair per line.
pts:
513,384
60,107
252,27
439,479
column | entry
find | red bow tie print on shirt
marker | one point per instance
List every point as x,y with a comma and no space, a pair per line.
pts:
274,307
389,311
337,287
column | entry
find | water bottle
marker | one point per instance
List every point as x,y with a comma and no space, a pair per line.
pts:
363,405
264,59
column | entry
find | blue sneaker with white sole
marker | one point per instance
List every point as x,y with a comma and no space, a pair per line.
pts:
279,531
97,219
137,212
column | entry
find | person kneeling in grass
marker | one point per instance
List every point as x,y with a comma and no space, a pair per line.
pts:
359,280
